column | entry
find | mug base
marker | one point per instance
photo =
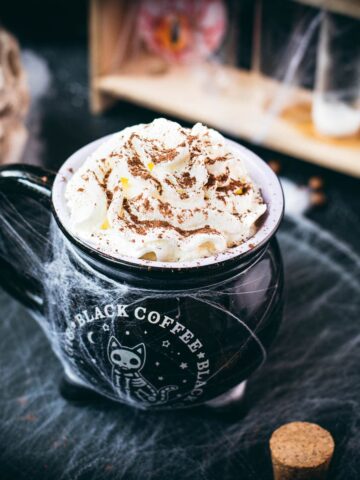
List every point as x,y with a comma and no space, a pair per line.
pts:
73,379
228,398
73,390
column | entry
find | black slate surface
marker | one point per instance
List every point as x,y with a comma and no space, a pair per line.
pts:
312,373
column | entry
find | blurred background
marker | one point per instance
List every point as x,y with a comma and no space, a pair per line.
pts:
281,77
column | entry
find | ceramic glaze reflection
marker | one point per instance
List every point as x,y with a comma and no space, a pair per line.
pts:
187,346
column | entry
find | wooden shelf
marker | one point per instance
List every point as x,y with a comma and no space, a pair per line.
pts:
233,101
343,7
234,104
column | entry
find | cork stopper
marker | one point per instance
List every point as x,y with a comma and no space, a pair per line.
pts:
301,450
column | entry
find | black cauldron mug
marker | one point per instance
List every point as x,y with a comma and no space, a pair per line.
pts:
155,335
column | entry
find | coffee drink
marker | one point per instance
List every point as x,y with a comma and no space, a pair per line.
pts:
163,192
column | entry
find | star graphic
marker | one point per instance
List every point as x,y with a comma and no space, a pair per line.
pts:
106,327
166,343
127,332
201,355
160,378
178,353
157,363
184,381
93,360
183,365
145,332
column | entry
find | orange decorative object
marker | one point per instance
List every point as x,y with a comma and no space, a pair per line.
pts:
182,31
172,33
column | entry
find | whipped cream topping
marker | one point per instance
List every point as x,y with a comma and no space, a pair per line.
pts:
163,192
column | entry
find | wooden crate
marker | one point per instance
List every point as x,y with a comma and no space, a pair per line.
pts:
120,68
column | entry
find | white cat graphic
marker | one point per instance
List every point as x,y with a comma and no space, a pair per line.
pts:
127,362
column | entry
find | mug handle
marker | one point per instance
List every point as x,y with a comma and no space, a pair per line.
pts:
34,182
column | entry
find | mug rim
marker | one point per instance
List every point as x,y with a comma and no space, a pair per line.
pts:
262,175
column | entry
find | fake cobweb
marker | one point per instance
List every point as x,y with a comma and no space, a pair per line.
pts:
187,345
311,374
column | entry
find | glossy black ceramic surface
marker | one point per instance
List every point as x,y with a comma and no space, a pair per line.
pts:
147,337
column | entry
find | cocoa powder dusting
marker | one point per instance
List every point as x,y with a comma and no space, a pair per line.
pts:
136,167
234,185
108,193
166,155
212,161
141,226
182,182
183,195
186,180
211,181
165,209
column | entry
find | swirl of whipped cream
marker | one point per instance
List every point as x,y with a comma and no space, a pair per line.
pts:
163,192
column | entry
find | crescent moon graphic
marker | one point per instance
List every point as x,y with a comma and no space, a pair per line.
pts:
89,337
